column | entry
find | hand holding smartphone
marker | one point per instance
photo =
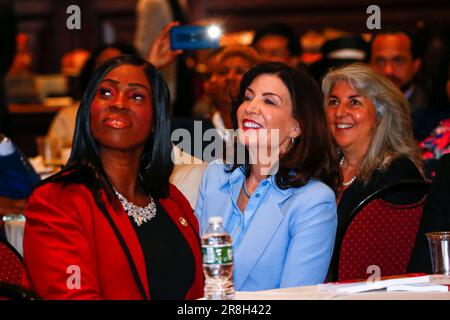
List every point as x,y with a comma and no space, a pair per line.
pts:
193,37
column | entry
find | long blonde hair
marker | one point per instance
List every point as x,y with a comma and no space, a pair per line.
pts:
393,136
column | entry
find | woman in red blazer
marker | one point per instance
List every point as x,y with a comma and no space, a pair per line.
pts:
109,225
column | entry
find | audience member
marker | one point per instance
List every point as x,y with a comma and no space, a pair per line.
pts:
369,120
278,42
229,67
204,107
114,196
153,15
397,56
62,126
159,54
437,143
283,221
337,52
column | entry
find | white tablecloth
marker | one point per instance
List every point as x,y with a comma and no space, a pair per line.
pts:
314,293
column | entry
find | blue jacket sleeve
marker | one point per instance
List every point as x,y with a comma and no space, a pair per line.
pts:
312,240
17,177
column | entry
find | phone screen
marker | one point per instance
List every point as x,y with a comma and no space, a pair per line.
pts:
192,37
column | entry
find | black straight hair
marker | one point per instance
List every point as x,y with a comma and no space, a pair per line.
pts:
84,165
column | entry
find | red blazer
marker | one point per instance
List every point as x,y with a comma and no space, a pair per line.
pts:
66,234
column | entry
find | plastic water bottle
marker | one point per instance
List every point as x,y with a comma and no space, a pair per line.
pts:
217,261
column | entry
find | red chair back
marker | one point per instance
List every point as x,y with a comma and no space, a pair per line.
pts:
381,234
11,264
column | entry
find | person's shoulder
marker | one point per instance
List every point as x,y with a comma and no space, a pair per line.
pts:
177,196
58,189
183,159
217,173
218,167
400,169
315,200
403,166
315,190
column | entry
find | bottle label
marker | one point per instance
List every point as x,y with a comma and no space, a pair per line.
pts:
218,254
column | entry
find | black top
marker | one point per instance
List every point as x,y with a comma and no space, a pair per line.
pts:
436,217
168,258
400,169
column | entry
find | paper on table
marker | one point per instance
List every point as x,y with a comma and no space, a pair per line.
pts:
419,287
361,286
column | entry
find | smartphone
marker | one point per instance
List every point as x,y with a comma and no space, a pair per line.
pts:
191,37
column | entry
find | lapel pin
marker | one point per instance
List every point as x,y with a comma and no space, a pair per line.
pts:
183,222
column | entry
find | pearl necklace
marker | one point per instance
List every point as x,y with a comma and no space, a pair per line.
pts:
139,214
349,182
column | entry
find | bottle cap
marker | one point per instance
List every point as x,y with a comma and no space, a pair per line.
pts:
215,219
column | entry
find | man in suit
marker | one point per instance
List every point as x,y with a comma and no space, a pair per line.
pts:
278,42
397,56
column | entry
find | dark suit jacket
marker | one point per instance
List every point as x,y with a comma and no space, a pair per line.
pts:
436,217
67,230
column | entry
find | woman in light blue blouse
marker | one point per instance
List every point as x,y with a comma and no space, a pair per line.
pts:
280,214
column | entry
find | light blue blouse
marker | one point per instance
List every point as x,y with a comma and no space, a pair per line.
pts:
283,239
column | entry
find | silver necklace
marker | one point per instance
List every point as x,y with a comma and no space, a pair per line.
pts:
139,214
349,182
244,186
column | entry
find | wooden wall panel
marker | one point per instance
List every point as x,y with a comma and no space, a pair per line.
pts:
316,14
44,20
45,23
